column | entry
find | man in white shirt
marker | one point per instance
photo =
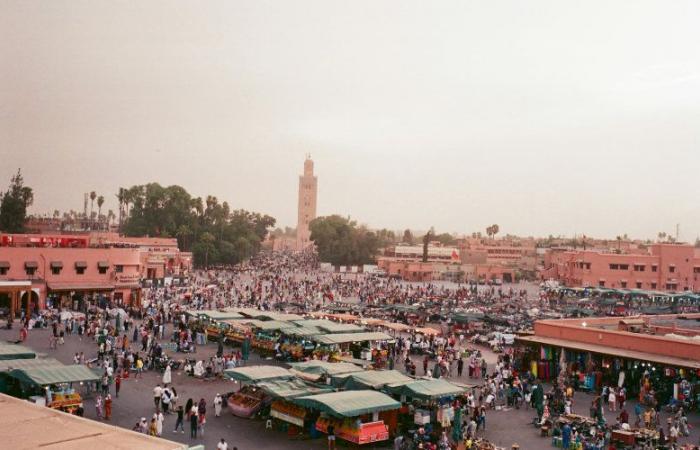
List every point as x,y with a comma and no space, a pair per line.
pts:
222,445
157,394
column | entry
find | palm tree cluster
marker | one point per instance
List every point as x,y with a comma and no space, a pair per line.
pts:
492,231
216,234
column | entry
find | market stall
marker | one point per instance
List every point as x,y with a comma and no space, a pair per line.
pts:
250,398
360,417
356,345
15,351
370,379
320,371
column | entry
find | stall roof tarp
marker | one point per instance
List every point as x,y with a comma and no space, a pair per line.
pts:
11,364
84,286
218,315
258,373
428,389
329,326
270,325
605,350
374,379
342,338
14,351
350,403
291,388
303,331
318,368
44,376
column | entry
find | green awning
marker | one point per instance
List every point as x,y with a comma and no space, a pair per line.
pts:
44,376
270,325
14,351
317,368
303,331
349,403
351,337
328,326
10,364
218,315
371,379
291,388
254,374
428,389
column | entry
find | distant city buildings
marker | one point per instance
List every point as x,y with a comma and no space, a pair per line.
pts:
661,266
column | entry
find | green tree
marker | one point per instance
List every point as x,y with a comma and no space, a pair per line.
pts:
407,237
340,241
14,203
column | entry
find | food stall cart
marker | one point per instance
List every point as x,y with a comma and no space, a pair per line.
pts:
355,345
356,416
432,398
250,399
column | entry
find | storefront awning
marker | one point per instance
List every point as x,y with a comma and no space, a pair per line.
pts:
31,265
80,264
349,403
4,264
371,379
611,351
80,287
57,264
315,369
103,264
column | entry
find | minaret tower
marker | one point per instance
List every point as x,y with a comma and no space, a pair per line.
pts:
307,203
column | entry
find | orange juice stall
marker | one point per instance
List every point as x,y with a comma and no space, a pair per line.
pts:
359,417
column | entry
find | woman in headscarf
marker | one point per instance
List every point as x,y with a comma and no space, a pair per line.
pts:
98,406
188,407
199,369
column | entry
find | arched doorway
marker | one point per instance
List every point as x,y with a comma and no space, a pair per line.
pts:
5,304
28,299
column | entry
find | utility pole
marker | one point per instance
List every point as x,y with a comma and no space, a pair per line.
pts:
678,228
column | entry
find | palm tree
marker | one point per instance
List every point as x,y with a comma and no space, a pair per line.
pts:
100,202
93,196
121,197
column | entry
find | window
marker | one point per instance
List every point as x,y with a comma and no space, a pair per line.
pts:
639,284
696,269
654,268
639,267
671,269
653,285
623,284
30,271
119,268
56,270
80,270
614,266
3,270
671,286
102,270
601,283
624,267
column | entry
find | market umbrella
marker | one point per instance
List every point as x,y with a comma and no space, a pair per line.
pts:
457,426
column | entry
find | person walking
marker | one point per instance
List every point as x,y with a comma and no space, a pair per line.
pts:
108,407
222,445
194,422
117,384
218,401
157,394
98,406
179,422
167,375
159,423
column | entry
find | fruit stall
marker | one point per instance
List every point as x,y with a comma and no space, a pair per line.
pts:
360,417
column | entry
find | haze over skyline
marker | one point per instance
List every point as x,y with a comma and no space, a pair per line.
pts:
545,117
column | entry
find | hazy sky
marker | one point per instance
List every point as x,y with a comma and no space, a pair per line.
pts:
556,117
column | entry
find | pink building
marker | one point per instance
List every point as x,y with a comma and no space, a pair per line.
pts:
664,267
66,277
